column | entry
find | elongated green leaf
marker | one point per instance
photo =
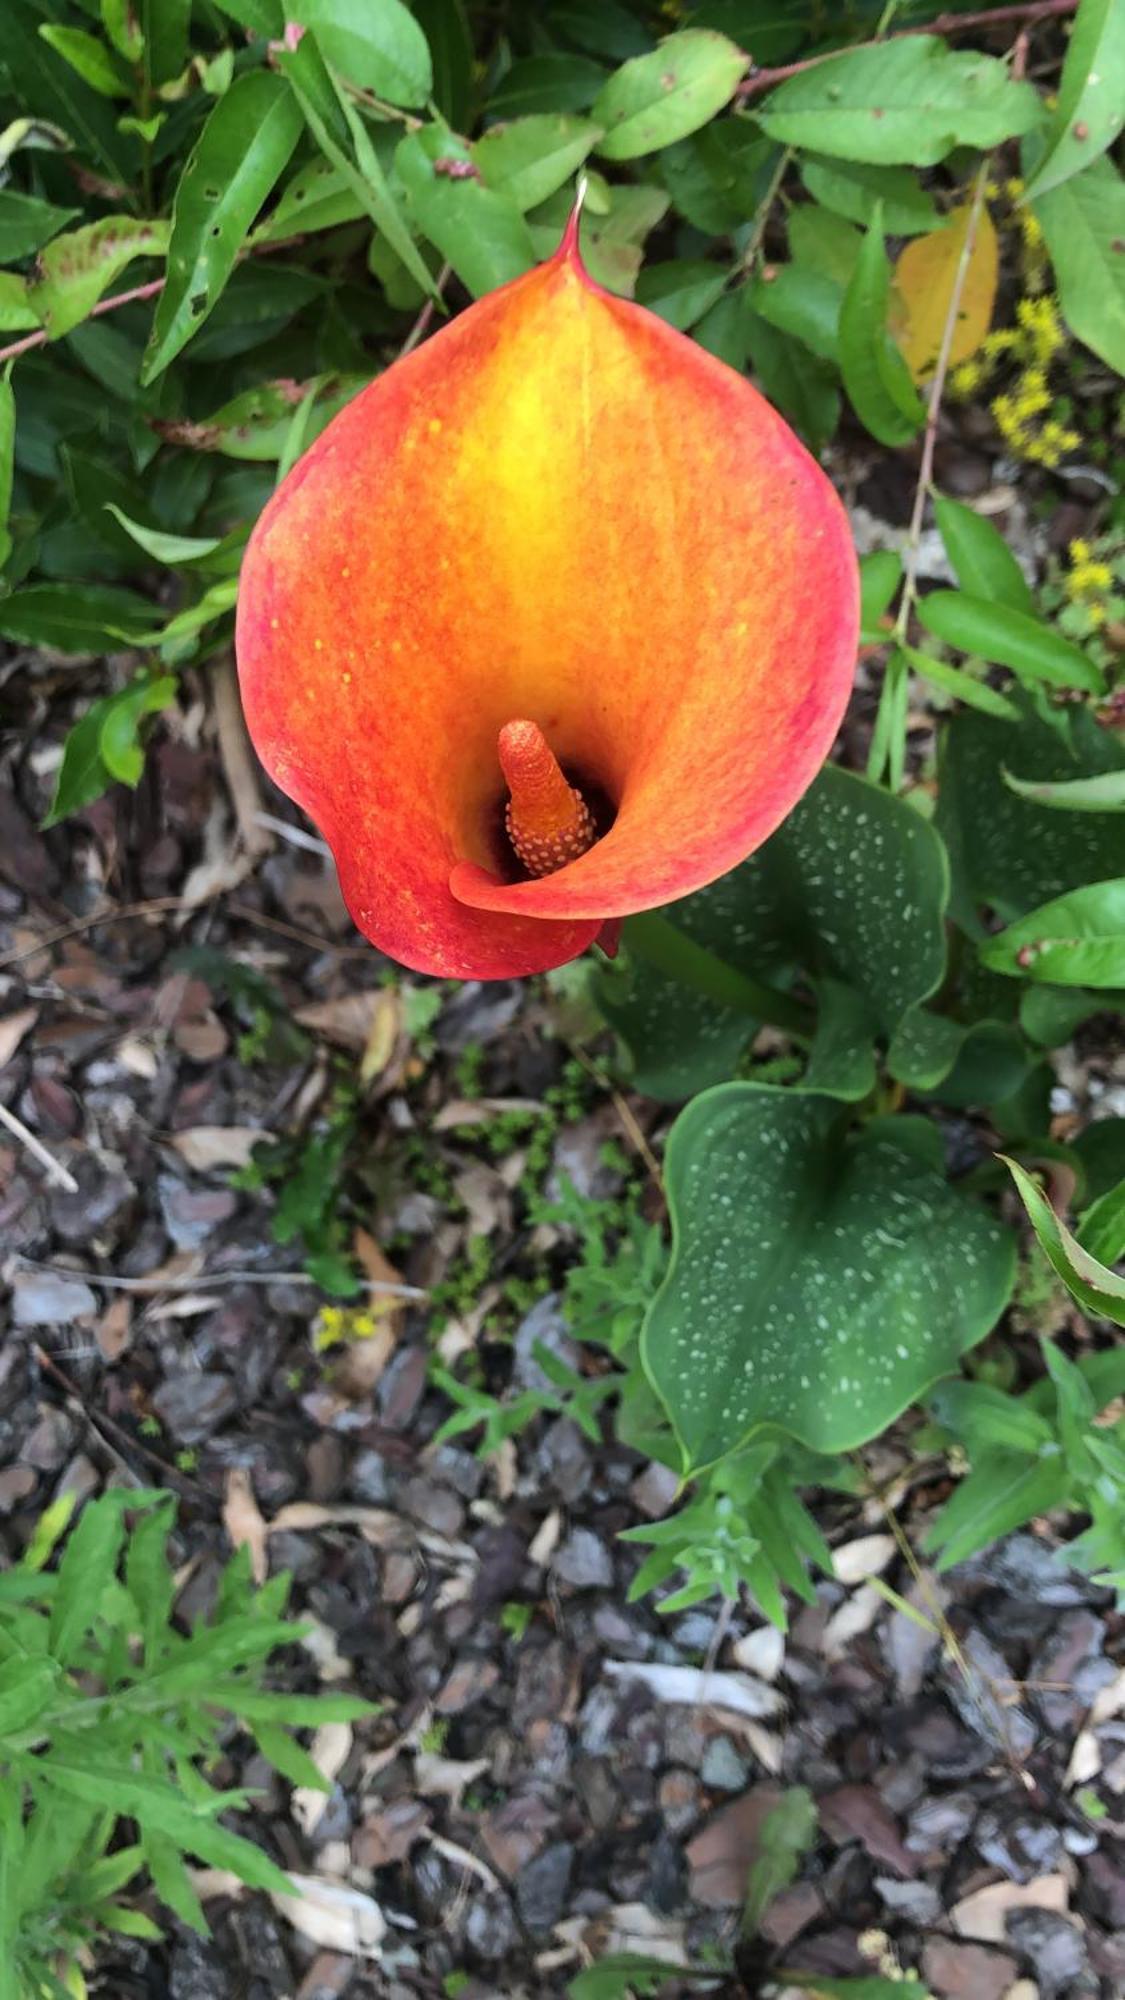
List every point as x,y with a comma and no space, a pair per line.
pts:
880,574
804,302
446,28
240,154
982,561
1091,102
655,99
76,269
26,1688
98,66
956,681
1104,793
907,101
380,48
103,745
155,1804
481,233
1032,650
1083,221
821,241
86,619
170,549
344,140
1102,1233
681,290
1009,854
804,388
88,1565
851,189
875,375
317,197
26,224
818,1282
1098,1290
1000,1496
547,83
1075,940
47,88
530,158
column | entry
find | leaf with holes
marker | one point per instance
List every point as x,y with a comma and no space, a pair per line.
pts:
820,1280
72,272
851,888
240,154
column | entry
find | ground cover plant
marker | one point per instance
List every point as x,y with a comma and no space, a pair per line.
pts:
328,313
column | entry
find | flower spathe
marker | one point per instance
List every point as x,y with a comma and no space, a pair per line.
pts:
557,516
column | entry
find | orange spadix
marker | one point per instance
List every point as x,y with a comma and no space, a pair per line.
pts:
548,821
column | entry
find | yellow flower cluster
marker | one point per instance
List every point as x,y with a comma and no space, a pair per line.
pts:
1033,245
1087,578
336,1324
1032,344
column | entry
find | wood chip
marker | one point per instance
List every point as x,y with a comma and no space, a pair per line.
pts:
693,1687
207,1147
242,1519
331,1914
868,1556
13,1028
982,1915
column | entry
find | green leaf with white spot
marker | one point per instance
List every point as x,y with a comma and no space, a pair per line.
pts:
1010,853
657,98
820,1280
851,888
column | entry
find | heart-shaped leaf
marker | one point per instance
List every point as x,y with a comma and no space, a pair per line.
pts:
819,1281
851,888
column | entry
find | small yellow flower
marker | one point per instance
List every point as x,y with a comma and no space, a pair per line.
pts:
1079,551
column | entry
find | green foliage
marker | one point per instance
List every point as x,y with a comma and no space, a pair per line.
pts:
110,1718
820,1280
1048,1449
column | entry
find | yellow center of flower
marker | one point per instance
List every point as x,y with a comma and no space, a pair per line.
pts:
548,821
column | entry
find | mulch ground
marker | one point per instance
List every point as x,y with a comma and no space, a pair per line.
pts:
554,1774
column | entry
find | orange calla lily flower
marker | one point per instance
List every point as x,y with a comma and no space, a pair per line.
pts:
555,622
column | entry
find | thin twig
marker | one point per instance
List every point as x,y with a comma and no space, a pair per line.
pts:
944,24
162,905
188,1281
52,1167
40,339
422,324
933,408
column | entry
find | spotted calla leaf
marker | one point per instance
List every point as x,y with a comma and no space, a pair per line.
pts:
820,1279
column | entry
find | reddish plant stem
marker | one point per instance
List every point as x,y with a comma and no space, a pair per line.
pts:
1028,13
41,336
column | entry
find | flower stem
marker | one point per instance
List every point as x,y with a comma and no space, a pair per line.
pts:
662,945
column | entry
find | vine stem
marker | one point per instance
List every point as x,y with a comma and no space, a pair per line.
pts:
933,407
1029,13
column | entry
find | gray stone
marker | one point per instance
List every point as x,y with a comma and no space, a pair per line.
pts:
490,1928
1054,1944
193,1406
543,1326
722,1769
541,1887
47,1298
98,1206
584,1562
368,1478
192,1214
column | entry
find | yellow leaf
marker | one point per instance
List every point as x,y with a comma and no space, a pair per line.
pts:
924,278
